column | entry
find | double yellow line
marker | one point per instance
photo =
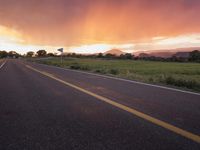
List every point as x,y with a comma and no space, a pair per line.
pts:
153,120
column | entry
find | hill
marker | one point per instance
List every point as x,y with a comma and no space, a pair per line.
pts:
116,52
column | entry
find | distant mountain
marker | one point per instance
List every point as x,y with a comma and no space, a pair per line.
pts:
143,55
162,54
182,54
166,53
157,54
116,52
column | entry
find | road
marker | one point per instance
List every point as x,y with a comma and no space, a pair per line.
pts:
49,108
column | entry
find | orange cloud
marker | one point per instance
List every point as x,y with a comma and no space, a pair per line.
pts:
79,22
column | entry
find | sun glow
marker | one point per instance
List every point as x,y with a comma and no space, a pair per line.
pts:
11,39
100,48
8,35
90,48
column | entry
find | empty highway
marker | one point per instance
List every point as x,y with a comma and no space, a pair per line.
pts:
48,108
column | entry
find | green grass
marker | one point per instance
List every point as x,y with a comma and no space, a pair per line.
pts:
182,75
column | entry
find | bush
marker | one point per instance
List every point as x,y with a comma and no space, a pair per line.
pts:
75,66
86,68
192,84
114,71
102,71
151,79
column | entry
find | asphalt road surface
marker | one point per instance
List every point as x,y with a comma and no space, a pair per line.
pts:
48,108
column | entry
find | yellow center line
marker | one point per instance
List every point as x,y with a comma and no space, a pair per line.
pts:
153,120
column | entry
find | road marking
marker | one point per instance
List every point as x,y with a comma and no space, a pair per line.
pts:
153,120
2,64
126,80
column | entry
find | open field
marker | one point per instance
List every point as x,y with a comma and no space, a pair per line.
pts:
182,75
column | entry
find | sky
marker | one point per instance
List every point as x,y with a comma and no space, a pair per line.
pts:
93,26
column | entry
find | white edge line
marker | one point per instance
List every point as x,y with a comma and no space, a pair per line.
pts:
126,80
2,64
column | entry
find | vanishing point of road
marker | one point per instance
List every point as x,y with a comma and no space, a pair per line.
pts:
50,108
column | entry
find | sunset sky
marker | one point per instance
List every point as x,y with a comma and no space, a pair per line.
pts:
92,26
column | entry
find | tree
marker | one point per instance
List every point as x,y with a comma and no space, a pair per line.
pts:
3,54
127,56
30,54
109,55
195,56
41,53
100,55
13,54
50,55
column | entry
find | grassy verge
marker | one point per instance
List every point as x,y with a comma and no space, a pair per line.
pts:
182,75
1,60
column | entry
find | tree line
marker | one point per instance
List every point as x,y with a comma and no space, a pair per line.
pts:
11,54
39,53
194,56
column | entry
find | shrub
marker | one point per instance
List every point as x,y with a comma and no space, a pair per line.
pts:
192,84
114,71
75,66
85,68
102,71
151,79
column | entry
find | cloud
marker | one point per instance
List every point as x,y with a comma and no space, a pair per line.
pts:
77,22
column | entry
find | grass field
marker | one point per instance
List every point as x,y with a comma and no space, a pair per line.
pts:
182,75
